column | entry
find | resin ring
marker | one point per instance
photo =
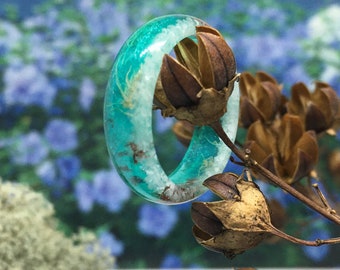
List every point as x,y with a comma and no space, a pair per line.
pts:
128,118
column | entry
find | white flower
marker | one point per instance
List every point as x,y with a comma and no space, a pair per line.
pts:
324,26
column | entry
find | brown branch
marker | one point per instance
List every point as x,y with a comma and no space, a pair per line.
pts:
331,215
315,243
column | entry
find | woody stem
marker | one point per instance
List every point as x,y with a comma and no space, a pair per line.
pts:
315,243
272,177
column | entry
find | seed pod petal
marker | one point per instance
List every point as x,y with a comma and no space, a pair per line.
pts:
223,185
187,54
316,119
262,136
208,29
329,92
270,101
265,77
205,220
300,97
216,61
180,87
249,113
290,132
307,155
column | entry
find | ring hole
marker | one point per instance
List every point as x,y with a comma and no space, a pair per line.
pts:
169,149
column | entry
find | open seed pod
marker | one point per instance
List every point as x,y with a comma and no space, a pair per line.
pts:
317,109
261,98
287,149
237,223
197,85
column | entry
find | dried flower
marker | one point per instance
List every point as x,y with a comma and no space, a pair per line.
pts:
261,98
239,222
197,86
318,109
286,149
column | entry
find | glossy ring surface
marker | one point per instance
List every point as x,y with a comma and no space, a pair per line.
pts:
128,118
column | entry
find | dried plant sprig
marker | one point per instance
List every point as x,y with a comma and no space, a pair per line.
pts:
272,178
240,221
281,145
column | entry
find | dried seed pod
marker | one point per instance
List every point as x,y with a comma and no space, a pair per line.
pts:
286,150
196,87
317,109
261,98
239,222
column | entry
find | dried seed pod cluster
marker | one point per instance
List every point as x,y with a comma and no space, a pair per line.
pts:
196,87
281,132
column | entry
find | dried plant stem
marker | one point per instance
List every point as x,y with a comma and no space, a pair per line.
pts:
250,163
315,243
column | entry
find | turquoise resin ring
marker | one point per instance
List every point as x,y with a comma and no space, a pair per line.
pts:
128,118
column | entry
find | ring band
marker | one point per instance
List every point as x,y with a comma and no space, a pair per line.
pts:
128,118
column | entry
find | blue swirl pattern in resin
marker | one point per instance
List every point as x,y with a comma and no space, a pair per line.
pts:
128,118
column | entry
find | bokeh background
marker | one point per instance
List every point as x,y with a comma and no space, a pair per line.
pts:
55,59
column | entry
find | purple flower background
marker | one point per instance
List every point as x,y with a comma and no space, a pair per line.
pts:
54,67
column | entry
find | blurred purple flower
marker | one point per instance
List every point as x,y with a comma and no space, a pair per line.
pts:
29,149
48,19
110,242
162,124
26,85
46,172
295,74
84,195
9,36
156,220
110,190
262,18
49,176
86,5
68,166
171,261
317,254
87,92
262,50
61,135
50,39
105,19
271,53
